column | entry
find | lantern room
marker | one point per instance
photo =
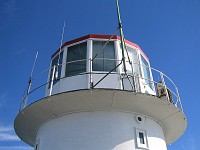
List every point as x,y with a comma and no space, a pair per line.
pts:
95,61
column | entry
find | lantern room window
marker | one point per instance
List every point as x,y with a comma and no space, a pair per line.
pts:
134,59
105,60
146,72
76,59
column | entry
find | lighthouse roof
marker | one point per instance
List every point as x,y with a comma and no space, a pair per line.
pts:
98,36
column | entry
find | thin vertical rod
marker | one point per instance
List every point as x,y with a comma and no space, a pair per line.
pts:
27,92
61,42
121,36
90,60
30,80
52,79
34,64
178,97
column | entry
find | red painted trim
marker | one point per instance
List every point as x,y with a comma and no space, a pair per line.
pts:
71,42
99,36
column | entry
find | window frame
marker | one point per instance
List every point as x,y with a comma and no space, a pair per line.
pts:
104,58
144,144
80,60
150,80
135,65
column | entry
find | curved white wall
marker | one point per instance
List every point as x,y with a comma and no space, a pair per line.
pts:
99,130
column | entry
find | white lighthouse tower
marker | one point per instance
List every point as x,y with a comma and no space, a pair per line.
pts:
102,94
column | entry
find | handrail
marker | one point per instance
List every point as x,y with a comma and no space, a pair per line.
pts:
133,76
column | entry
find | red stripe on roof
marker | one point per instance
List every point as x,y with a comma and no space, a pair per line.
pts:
99,36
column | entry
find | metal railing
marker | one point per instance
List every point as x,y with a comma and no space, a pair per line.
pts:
164,84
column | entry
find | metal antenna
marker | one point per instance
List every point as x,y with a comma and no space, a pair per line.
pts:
61,43
30,80
123,44
121,36
34,64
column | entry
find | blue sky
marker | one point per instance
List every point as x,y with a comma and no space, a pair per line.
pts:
168,31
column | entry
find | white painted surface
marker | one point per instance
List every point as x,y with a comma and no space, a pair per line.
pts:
98,130
112,81
32,117
70,84
74,83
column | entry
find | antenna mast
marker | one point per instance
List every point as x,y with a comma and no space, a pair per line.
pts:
123,46
61,42
121,36
30,80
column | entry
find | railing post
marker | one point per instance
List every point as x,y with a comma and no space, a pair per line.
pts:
137,83
133,78
28,90
91,83
139,76
178,99
52,79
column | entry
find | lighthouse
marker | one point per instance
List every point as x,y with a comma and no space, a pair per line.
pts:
101,93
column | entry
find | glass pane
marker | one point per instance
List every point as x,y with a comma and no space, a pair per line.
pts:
134,59
109,65
146,71
73,53
97,65
135,62
97,47
76,62
75,68
108,51
104,61
141,136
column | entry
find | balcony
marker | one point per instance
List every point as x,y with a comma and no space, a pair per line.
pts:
163,88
